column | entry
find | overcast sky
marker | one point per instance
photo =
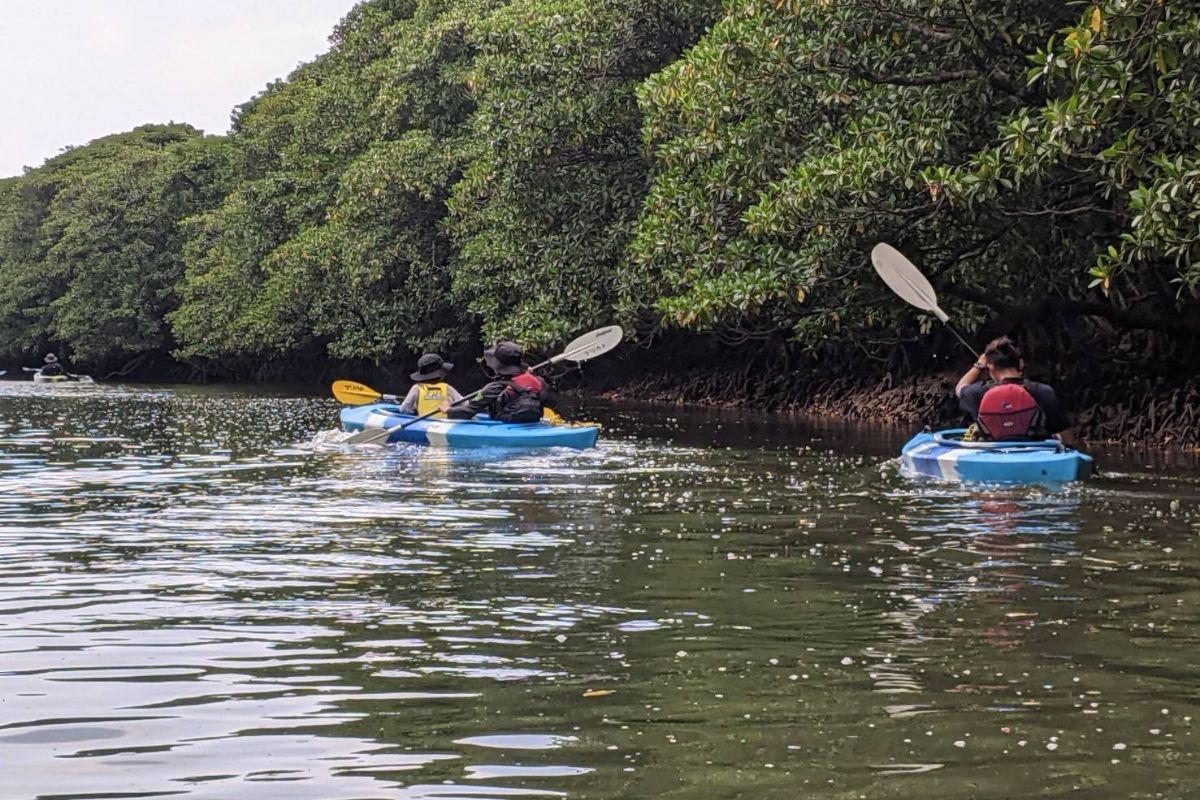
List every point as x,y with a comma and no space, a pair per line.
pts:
75,70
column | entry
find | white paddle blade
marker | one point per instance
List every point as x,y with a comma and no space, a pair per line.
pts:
591,344
905,279
370,436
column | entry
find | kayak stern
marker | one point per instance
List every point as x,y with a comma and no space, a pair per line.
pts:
943,455
465,433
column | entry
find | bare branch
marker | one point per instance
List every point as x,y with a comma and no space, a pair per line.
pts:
930,79
916,24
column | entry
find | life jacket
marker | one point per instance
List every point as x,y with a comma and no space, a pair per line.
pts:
430,396
521,400
1008,411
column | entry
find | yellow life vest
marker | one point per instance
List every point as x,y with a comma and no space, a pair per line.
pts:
430,396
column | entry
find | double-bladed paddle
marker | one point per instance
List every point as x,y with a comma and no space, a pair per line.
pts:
587,346
913,288
80,378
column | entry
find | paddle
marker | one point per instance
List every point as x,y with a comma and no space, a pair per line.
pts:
907,281
588,346
353,393
80,378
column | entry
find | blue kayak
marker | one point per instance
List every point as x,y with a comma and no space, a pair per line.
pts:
479,432
945,455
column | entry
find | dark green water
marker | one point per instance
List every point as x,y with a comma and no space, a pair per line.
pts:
204,596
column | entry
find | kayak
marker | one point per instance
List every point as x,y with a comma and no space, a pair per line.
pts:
943,454
478,432
38,377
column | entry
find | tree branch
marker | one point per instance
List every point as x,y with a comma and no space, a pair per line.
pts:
1143,318
922,27
930,79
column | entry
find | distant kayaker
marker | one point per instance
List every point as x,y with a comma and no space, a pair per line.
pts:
514,395
430,392
1007,406
51,367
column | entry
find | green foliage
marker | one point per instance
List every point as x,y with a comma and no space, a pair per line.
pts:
533,168
91,246
799,132
259,256
795,134
543,214
1119,133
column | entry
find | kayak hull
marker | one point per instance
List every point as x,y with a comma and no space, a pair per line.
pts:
465,433
941,455
64,380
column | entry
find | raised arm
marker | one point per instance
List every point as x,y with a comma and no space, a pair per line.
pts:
977,371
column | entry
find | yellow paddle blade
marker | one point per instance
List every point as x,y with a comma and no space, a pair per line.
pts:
551,416
353,393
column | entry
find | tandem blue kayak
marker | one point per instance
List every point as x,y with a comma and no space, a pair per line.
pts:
943,454
479,432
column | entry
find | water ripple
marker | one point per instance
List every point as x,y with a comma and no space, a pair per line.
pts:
209,594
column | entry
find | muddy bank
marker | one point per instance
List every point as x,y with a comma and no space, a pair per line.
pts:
1131,390
1138,414
1107,403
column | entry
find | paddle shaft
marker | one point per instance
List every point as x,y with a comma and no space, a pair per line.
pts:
911,286
958,336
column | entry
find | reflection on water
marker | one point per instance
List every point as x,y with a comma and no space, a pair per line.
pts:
206,594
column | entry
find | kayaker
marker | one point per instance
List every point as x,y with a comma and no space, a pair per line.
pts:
1007,406
514,395
51,367
430,392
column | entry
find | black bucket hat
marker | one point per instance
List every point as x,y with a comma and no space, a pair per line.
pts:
51,358
430,367
506,358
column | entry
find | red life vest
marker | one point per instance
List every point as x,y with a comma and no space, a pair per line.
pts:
1008,411
521,400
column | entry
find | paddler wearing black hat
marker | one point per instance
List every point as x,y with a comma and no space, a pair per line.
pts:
514,395
430,392
51,367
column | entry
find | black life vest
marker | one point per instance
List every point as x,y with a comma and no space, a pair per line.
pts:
1008,411
521,400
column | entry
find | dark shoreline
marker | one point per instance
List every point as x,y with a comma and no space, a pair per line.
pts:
1147,403
1160,417
1142,404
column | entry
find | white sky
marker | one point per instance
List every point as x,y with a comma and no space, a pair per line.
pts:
74,70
